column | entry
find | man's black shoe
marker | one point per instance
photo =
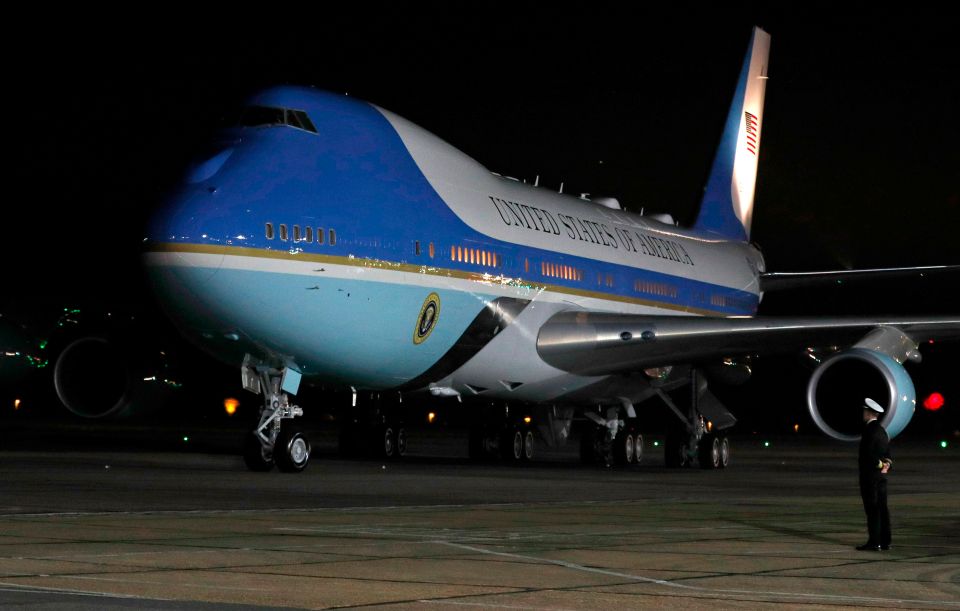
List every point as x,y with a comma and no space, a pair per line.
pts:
868,547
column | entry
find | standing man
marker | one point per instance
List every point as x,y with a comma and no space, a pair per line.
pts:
874,464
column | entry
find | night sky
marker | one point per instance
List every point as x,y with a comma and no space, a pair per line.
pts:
859,163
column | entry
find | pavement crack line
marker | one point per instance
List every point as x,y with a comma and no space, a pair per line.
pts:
690,588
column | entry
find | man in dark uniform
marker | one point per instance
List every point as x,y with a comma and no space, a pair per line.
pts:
874,464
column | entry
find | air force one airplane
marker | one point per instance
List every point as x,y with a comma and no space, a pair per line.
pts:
331,240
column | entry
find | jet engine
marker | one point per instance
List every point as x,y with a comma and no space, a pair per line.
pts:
107,368
92,378
872,368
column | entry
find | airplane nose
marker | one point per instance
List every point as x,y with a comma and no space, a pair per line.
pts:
180,258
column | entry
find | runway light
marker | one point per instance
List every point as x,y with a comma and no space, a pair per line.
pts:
16,404
230,405
943,444
766,444
526,419
656,444
431,417
796,428
709,426
185,439
933,402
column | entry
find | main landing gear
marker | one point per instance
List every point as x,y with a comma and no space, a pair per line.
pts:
276,440
699,435
498,433
373,428
612,439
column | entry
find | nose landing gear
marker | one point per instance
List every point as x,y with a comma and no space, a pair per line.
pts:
276,440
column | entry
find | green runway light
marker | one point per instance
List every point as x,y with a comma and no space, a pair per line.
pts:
656,444
766,444
185,438
943,444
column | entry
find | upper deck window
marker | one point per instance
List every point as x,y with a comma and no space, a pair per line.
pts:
266,116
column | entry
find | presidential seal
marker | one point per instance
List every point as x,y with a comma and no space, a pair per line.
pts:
429,314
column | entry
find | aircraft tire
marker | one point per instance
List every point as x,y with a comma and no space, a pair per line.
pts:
588,449
724,451
476,446
401,442
385,442
528,446
511,444
623,447
291,452
254,455
709,452
674,451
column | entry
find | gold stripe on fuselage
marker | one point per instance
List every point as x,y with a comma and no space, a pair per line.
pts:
430,270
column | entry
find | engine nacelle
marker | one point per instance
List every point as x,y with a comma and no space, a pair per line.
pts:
93,378
107,375
838,387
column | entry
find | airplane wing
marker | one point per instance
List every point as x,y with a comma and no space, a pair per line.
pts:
778,281
597,343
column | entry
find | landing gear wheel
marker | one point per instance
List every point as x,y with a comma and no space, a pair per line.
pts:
528,449
588,448
386,442
709,452
724,452
401,442
511,445
477,445
624,448
292,450
637,448
255,456
675,450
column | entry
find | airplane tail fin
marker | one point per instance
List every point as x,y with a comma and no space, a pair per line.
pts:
727,205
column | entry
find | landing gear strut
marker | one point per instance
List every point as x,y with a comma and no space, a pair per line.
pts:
276,440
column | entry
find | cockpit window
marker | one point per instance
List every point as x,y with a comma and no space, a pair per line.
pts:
265,116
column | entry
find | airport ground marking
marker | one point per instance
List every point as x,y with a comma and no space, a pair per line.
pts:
702,589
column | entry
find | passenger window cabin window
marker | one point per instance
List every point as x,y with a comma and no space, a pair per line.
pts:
320,235
431,250
309,235
296,233
416,247
283,232
269,231
333,237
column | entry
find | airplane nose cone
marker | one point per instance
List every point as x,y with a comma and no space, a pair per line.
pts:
180,257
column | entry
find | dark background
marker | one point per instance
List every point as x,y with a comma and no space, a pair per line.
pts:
859,163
